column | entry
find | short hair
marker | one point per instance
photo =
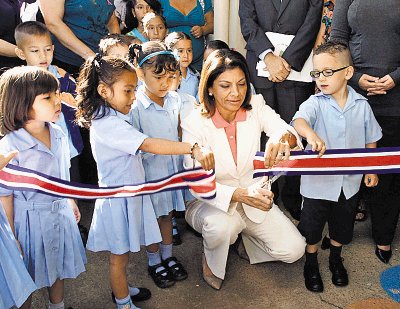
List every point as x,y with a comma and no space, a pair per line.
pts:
150,16
174,37
30,28
334,48
216,44
19,87
217,63
111,40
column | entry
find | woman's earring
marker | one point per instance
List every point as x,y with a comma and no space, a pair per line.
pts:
210,94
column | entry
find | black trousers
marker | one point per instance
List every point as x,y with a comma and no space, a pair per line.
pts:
384,199
285,98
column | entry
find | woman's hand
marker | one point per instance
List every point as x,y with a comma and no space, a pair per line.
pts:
205,157
371,180
276,153
5,159
254,196
197,31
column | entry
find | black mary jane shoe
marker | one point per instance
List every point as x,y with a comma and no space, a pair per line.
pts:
383,255
162,278
339,273
176,236
326,243
144,294
313,280
177,271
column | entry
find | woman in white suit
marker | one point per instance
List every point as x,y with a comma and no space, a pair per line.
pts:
230,123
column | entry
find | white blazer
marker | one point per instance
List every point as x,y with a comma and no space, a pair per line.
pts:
200,129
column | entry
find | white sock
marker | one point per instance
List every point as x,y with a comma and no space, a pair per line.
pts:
60,305
133,291
166,252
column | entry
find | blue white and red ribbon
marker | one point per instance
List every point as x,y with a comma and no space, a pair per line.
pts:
333,162
17,178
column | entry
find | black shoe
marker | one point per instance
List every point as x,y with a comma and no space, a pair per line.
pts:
144,294
162,278
383,255
177,271
339,273
326,243
312,279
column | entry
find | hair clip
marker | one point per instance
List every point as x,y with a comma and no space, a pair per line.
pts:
97,60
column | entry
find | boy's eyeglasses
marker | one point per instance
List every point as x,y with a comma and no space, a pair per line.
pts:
326,73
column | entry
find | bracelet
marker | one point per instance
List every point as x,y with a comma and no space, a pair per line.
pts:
195,145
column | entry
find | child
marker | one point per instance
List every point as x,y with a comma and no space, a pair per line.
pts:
337,117
116,45
45,226
34,45
120,225
157,114
155,27
212,46
180,43
135,11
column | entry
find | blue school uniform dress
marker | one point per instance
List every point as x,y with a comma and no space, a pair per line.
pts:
120,225
160,122
190,84
188,104
45,225
15,282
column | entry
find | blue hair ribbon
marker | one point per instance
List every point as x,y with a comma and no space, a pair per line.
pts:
161,52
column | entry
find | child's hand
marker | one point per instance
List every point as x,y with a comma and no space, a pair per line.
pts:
316,143
68,99
371,180
205,157
75,209
4,159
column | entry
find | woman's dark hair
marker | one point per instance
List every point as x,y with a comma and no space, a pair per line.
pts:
158,63
217,63
19,88
216,44
97,70
174,37
131,21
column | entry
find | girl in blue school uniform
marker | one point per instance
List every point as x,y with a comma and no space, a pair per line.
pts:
156,114
45,226
15,282
121,225
181,44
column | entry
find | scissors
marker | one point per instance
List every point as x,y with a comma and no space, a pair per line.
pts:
268,183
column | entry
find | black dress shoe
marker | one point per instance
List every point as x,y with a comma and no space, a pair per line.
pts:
177,271
326,243
162,278
144,294
383,255
339,273
312,279
176,238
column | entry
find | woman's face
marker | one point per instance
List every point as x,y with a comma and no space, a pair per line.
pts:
140,9
229,90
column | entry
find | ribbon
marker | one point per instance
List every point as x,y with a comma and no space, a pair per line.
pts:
385,160
17,178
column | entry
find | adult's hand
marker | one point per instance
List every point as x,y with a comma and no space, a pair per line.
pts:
256,197
367,81
197,31
382,85
275,153
277,67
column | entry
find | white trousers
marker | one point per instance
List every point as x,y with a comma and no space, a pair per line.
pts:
275,239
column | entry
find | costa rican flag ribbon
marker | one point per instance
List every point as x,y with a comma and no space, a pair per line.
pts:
384,160
17,178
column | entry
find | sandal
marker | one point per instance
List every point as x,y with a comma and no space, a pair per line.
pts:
162,278
177,271
361,211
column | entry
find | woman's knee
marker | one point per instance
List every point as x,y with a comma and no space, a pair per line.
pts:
216,231
291,251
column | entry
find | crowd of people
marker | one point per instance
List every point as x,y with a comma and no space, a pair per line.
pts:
132,91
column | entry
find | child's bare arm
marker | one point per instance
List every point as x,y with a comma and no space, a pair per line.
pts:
316,143
371,180
166,147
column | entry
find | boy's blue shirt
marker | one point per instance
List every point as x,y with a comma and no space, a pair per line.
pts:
353,127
